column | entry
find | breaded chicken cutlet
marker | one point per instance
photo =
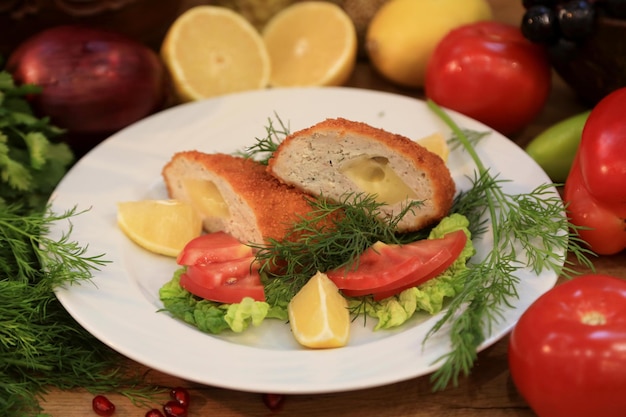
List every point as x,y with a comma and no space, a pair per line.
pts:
339,156
235,195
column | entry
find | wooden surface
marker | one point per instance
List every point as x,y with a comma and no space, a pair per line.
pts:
487,392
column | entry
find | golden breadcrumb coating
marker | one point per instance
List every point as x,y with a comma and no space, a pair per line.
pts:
275,206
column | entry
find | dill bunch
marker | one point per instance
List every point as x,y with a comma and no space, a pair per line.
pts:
529,230
41,345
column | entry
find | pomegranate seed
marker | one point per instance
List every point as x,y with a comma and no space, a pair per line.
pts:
154,413
102,406
273,401
174,409
181,396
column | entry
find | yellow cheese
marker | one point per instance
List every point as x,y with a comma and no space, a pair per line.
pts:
206,198
373,175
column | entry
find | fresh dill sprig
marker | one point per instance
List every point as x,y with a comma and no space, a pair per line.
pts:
26,249
265,147
333,235
472,136
41,345
528,230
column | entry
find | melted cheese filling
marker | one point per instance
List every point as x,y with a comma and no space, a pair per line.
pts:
373,175
206,198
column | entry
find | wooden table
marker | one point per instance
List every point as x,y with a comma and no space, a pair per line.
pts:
488,391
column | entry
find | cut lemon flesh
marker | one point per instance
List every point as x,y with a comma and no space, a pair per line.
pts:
437,144
311,43
160,226
211,51
319,315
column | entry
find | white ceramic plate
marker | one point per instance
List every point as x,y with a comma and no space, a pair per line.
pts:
120,306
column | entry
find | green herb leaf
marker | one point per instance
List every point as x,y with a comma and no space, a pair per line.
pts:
529,230
31,160
41,345
265,147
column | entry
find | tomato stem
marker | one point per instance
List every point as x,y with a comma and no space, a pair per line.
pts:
593,318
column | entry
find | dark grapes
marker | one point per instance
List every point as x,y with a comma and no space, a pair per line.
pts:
549,21
576,20
540,24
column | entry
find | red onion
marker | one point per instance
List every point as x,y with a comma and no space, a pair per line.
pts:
93,81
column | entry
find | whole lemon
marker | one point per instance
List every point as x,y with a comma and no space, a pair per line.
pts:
403,34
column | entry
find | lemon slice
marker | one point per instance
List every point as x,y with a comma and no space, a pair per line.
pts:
319,315
310,43
437,144
160,226
211,51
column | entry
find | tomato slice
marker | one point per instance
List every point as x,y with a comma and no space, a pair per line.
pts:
213,247
222,273
386,270
229,293
221,269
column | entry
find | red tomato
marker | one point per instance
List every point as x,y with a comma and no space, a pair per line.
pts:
603,226
213,247
221,269
232,290
222,273
490,72
602,153
567,353
385,270
595,189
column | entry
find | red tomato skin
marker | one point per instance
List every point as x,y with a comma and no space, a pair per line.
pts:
604,230
248,286
564,367
602,151
490,72
390,269
222,273
213,247
221,269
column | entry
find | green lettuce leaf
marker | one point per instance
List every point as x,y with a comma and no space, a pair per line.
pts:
209,316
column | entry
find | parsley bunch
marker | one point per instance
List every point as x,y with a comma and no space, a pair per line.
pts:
32,159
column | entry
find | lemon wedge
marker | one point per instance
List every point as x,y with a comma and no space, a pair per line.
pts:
160,226
319,315
436,144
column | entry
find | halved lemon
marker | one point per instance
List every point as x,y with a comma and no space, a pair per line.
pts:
160,226
319,315
211,51
310,43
